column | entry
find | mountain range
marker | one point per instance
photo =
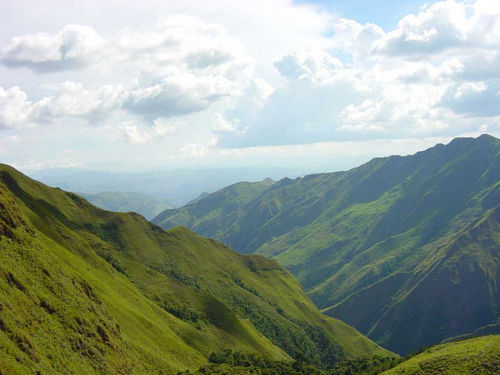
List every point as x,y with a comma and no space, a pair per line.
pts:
404,248
146,205
178,186
88,291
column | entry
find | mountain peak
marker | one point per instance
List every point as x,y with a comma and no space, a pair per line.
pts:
355,239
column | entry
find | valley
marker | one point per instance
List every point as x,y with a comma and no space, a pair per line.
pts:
405,249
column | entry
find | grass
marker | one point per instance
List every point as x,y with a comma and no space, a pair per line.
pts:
478,356
87,291
404,224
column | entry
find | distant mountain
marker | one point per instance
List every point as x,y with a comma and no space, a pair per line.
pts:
88,291
177,186
198,198
215,211
406,249
118,201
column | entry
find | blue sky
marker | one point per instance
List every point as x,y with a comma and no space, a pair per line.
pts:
385,13
163,84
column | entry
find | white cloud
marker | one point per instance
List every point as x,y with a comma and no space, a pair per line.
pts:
300,75
131,133
356,39
316,65
470,88
72,47
246,109
14,107
445,27
181,65
221,124
385,92
72,99
138,135
198,150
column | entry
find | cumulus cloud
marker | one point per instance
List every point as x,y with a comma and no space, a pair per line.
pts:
356,39
469,88
474,99
444,27
72,99
316,65
186,65
181,65
72,47
135,134
436,74
14,107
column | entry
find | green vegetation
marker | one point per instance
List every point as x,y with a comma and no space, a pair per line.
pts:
478,356
87,291
146,205
405,249
217,210
229,362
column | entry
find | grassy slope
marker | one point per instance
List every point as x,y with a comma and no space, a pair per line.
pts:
453,288
215,211
372,234
123,296
146,205
478,356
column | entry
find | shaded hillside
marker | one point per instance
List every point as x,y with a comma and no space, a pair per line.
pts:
381,244
118,201
86,291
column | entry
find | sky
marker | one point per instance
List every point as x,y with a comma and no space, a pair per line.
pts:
318,85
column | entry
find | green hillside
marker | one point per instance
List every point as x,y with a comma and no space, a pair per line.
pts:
406,249
215,212
87,291
118,201
478,356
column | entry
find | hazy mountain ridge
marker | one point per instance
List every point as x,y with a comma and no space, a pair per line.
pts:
119,201
90,291
379,230
177,186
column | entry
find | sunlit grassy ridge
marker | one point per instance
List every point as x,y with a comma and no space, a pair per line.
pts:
478,356
406,249
86,291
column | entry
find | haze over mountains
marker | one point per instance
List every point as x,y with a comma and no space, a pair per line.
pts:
406,249
177,186
123,296
273,187
146,205
85,291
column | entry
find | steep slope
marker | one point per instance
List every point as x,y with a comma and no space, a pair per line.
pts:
215,212
118,201
478,356
453,289
377,239
87,291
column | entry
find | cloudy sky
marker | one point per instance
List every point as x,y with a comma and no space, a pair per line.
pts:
160,84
